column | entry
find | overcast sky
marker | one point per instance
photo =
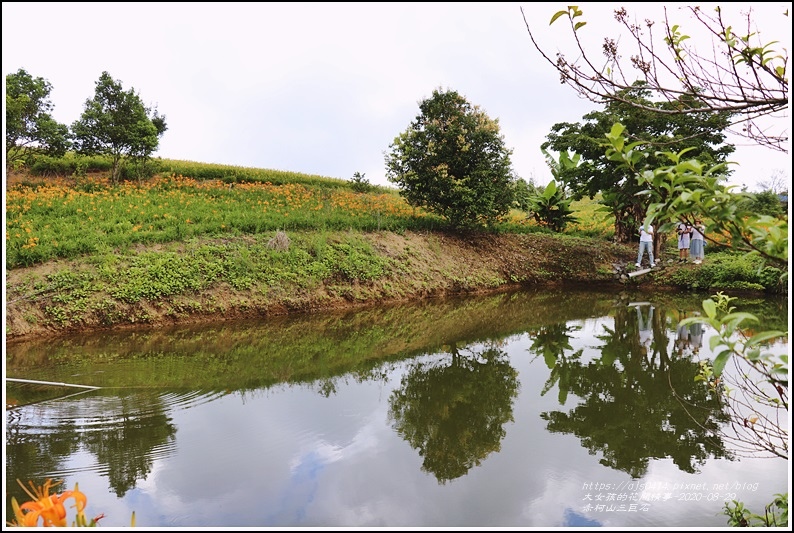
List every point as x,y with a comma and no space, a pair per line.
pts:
324,88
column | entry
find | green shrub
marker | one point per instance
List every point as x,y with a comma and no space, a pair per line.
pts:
359,183
152,276
726,270
68,165
355,261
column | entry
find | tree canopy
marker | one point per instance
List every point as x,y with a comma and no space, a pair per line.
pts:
29,125
702,134
116,123
452,160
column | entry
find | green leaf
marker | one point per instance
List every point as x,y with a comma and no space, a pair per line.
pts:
714,342
738,318
710,307
550,190
557,15
617,130
764,336
720,361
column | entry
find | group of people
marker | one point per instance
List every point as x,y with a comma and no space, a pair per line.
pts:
691,243
688,338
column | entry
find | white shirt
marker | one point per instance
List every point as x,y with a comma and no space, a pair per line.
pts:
697,233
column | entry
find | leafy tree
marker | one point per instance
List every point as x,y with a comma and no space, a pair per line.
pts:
522,192
550,208
754,84
116,123
29,125
687,189
765,203
359,183
452,160
701,133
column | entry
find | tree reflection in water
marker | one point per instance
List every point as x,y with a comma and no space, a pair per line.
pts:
451,369
454,410
636,403
125,437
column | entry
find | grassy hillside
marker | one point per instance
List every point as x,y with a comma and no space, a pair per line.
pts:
52,217
82,253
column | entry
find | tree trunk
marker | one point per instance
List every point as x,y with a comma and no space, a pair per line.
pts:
114,174
624,229
627,223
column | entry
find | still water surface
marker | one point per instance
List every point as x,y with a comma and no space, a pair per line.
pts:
529,409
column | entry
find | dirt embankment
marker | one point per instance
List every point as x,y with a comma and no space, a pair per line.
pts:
423,265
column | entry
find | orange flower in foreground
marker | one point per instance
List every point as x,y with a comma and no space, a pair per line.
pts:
49,507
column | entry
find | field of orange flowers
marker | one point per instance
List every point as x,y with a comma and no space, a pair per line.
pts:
60,218
55,219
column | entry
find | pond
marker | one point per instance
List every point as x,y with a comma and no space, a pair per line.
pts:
552,408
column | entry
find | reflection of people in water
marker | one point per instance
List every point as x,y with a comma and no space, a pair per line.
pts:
696,336
682,336
645,327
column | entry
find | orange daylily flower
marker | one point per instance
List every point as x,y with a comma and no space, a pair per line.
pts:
45,506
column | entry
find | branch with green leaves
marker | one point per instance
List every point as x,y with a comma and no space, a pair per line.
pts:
686,189
756,393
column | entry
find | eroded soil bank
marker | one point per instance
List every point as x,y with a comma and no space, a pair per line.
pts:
421,265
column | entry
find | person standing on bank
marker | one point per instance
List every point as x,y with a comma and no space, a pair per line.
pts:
697,242
646,245
684,232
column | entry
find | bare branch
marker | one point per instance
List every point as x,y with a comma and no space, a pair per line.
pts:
739,75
